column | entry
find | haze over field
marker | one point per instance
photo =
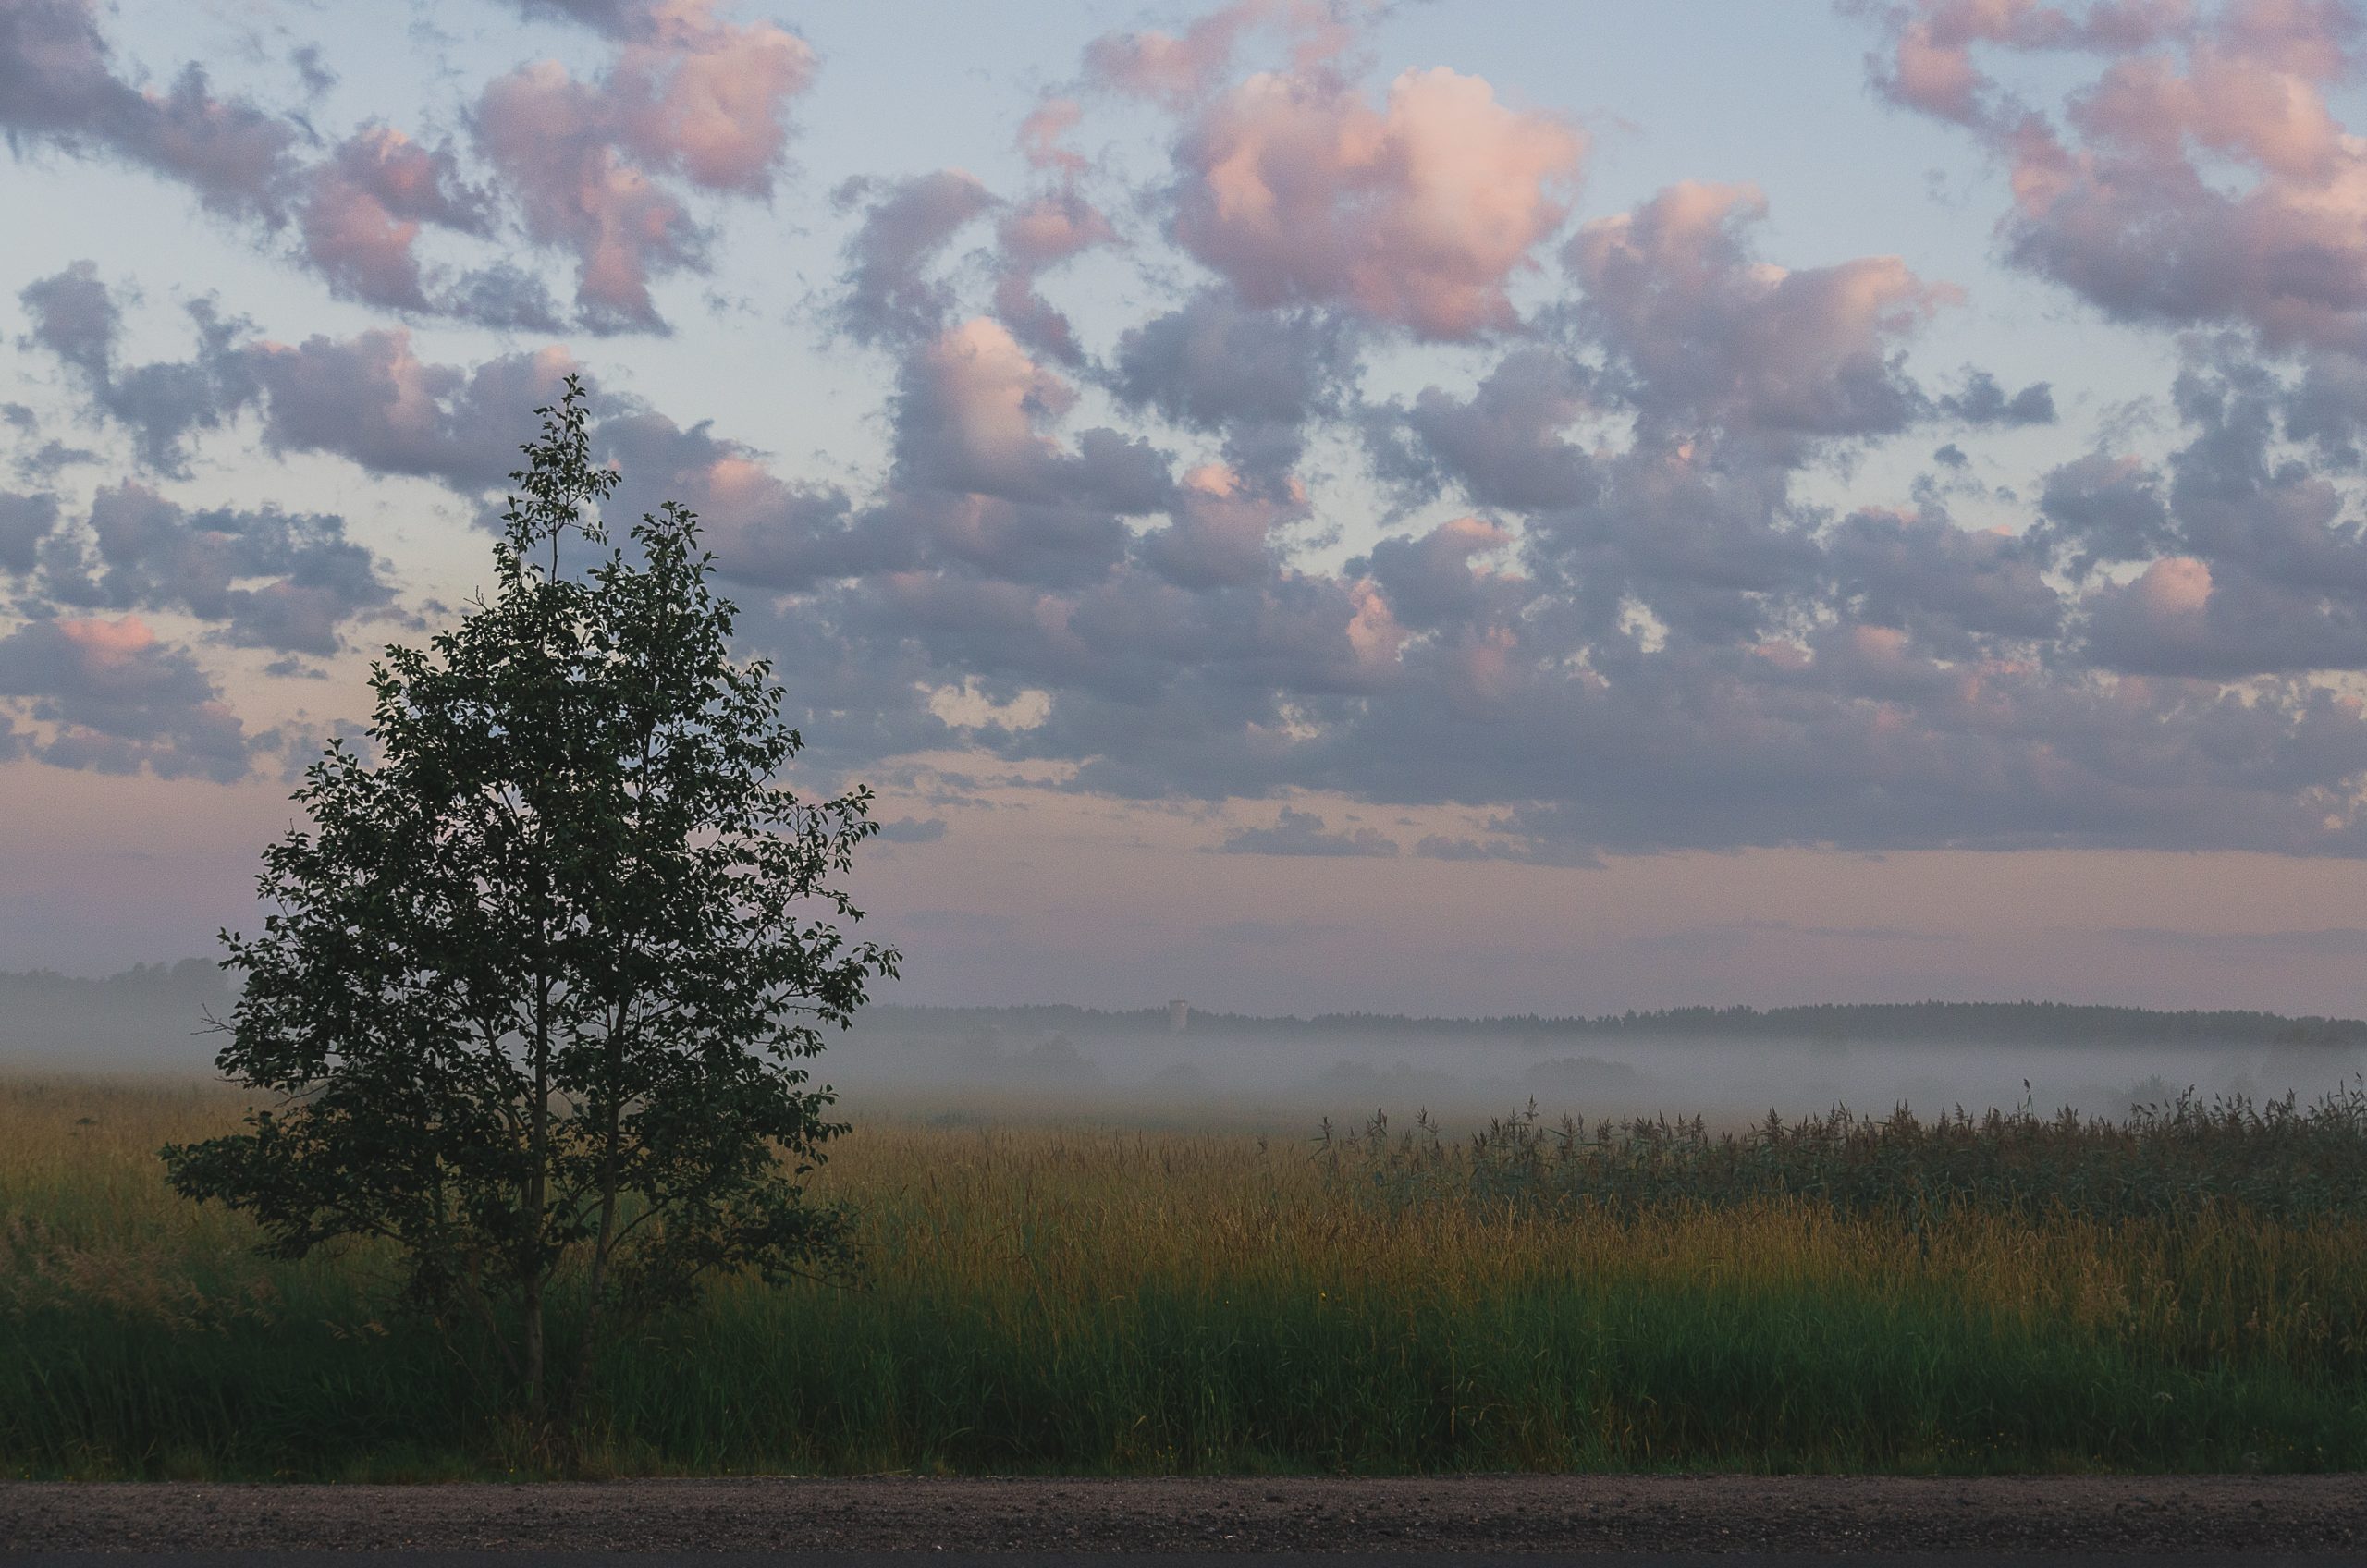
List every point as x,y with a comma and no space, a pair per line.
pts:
1300,504
953,1065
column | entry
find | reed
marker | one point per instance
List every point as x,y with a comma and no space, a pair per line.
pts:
1094,1300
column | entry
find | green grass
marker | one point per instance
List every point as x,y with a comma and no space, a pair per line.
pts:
1093,1301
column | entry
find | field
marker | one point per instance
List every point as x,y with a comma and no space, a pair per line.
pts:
2024,1295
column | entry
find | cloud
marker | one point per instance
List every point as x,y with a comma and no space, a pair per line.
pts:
272,578
2248,947
1296,192
1505,446
1945,584
363,209
114,699
975,468
2199,177
688,104
765,531
1031,240
74,316
371,399
1256,377
1982,401
25,521
589,164
1221,528
2103,508
913,830
1176,69
1601,595
887,298
1305,833
59,85
1715,338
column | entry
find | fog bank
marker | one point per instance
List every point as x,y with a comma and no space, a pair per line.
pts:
1288,1074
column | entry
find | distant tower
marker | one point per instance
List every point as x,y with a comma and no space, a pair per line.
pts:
1179,1017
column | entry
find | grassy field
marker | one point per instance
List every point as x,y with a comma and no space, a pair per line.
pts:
2032,1296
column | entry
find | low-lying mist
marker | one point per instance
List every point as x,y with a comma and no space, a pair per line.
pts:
1288,1074
978,1064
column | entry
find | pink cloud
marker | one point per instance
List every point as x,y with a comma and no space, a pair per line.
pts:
1720,338
1417,214
363,215
1040,134
688,95
2124,191
992,395
709,98
105,645
1032,238
1177,68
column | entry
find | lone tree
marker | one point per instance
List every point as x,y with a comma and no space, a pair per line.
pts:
536,982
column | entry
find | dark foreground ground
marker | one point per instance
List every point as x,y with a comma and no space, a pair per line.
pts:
2216,1514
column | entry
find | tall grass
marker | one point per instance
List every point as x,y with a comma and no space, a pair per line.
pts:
2175,1160
1097,1300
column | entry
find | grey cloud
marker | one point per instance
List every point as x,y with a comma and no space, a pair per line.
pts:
75,317
371,399
368,398
59,84
2238,947
313,69
1503,447
765,531
889,297
2104,508
505,298
1926,575
1305,833
1221,528
152,554
1255,375
1709,338
614,17
913,830
1429,581
1982,401
25,521
1518,850
115,701
976,472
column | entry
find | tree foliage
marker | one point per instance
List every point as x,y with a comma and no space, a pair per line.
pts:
534,984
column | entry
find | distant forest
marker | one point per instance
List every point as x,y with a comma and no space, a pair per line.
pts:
1938,1022
155,1014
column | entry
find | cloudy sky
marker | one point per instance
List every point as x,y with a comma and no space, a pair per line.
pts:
1292,504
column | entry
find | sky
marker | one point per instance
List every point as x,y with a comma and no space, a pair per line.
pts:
1295,503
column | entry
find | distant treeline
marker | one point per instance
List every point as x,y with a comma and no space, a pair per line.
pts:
1940,1022
156,1014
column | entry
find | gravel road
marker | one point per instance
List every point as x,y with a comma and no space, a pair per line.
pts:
2153,1516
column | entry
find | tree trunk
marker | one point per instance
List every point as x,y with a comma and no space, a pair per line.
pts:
538,1177
613,1093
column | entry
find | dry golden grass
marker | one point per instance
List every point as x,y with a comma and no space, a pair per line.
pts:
1098,1298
